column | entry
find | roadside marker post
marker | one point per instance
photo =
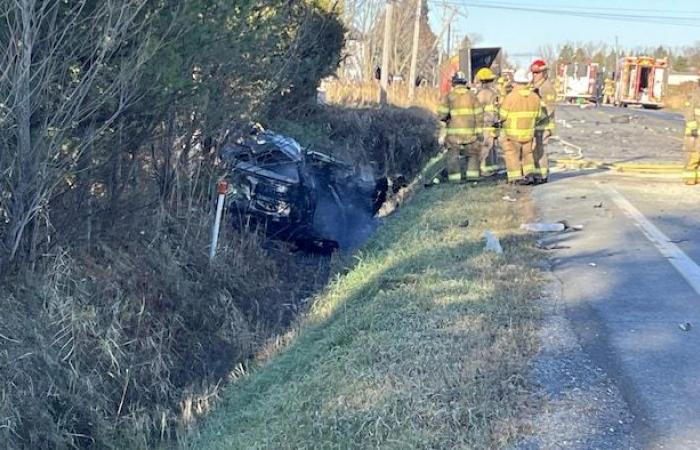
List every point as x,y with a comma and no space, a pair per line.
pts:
221,188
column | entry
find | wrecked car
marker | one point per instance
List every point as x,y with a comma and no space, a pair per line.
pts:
296,194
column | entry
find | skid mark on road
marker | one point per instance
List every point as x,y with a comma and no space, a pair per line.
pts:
678,259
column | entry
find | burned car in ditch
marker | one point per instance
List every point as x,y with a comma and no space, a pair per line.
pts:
297,194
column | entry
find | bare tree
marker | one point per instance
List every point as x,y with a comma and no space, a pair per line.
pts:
67,69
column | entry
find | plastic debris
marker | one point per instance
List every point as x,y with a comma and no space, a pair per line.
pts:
508,198
593,264
685,326
492,243
543,227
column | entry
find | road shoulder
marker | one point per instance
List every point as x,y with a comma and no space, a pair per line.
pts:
579,406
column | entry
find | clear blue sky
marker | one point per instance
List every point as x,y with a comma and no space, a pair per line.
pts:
520,31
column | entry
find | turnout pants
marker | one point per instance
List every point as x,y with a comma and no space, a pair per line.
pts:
463,161
692,159
541,160
489,157
519,158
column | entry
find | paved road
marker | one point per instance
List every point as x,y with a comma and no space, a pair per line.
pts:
650,136
629,279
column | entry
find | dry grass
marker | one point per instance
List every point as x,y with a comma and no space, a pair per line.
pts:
125,346
367,94
677,96
423,344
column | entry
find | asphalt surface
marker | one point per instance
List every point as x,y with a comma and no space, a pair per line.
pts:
646,137
629,286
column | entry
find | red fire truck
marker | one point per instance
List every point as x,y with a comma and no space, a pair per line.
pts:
641,80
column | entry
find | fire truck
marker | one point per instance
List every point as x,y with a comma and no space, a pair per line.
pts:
641,80
577,81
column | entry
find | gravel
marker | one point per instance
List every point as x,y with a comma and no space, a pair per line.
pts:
578,405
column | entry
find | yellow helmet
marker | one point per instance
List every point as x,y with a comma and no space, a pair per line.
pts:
485,74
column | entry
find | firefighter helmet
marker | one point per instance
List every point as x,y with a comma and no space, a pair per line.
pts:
485,74
459,78
538,65
522,76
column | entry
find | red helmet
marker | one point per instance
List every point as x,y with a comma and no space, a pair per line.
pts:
538,65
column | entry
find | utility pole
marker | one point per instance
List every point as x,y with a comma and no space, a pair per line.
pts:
414,52
386,45
449,40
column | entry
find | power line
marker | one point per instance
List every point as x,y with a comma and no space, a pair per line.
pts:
635,18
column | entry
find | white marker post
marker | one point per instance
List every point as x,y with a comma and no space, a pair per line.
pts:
222,188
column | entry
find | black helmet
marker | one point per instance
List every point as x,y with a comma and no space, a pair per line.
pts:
459,78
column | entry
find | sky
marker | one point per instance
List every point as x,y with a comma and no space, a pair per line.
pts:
670,23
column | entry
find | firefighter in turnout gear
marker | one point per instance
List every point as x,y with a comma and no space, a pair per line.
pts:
464,118
608,91
489,99
519,112
691,172
545,124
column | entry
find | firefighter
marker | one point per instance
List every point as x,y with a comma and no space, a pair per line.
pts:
519,113
608,91
463,117
691,173
545,125
489,99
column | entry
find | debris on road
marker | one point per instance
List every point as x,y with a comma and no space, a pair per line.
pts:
492,243
508,198
543,227
626,118
598,205
464,224
685,326
550,246
593,264
568,227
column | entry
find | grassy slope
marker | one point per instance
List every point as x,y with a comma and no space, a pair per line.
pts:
423,344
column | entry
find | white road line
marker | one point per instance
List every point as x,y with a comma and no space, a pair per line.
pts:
683,264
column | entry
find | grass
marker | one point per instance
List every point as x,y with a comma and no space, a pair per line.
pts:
422,344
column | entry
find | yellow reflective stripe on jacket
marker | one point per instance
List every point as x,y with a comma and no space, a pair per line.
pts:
473,174
443,109
490,108
523,115
697,111
467,131
691,126
465,111
530,132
